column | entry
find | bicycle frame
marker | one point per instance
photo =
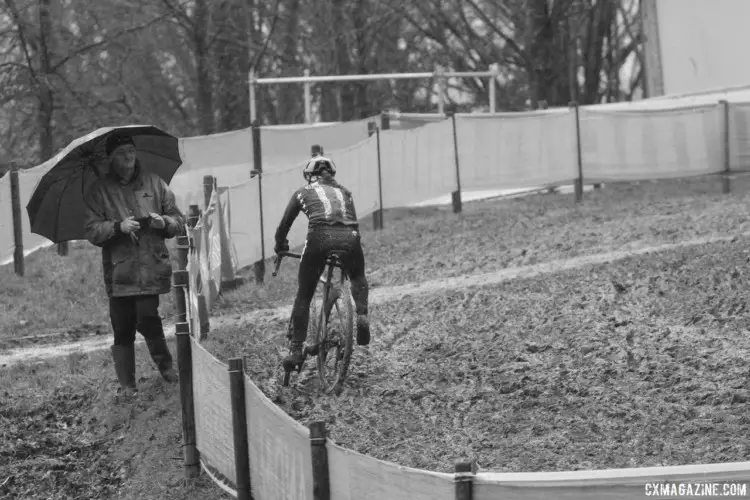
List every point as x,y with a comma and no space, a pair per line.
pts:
326,278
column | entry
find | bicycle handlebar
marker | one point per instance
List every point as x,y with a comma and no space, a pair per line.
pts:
279,256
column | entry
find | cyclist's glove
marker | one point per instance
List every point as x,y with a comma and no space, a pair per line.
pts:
281,246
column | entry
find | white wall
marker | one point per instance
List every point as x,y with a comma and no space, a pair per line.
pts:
703,44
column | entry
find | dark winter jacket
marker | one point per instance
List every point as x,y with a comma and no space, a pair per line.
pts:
141,267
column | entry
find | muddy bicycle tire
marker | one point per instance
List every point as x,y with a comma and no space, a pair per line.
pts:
336,322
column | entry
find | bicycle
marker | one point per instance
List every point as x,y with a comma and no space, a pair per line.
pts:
327,336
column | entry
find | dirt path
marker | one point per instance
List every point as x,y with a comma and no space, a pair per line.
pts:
378,295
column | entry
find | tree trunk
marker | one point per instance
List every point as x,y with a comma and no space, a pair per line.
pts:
343,58
329,107
362,106
600,19
46,97
232,102
204,89
290,104
541,38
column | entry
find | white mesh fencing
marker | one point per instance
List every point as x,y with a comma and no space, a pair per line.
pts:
739,136
357,169
517,150
498,151
244,221
643,145
417,164
282,147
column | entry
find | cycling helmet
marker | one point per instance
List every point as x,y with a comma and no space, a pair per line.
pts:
316,166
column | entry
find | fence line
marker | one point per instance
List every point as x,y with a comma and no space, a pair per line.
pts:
285,458
265,454
645,140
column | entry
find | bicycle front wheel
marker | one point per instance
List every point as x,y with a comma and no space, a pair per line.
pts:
335,338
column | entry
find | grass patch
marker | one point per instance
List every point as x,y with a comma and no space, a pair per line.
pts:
64,437
60,298
641,362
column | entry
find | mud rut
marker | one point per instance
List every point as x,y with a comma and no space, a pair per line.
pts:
379,295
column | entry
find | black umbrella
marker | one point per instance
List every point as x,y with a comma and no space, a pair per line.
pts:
56,208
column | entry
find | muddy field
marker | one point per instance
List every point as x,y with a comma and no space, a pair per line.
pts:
61,299
432,242
635,363
64,437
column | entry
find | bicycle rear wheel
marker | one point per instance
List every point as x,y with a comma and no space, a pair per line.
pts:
335,338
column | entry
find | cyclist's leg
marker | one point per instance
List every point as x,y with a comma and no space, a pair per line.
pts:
309,274
310,268
360,290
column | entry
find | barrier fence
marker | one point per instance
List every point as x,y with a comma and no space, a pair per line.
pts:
436,155
248,444
459,153
252,449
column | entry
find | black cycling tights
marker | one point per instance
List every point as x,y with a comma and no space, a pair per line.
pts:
321,241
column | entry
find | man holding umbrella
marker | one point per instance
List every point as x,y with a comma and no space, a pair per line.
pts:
129,213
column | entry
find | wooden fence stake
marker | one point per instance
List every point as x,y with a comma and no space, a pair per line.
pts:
456,195
194,214
260,266
464,480
321,480
385,121
579,181
208,188
15,203
377,216
726,187
62,248
239,427
180,281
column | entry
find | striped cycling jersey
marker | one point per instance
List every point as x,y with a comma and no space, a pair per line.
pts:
324,203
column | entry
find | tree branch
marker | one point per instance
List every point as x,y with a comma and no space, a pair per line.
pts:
21,36
508,40
107,41
180,15
259,55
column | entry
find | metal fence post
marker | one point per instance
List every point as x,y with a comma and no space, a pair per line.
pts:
239,427
321,480
180,282
15,204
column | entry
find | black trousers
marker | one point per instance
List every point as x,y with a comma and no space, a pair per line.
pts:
139,312
320,241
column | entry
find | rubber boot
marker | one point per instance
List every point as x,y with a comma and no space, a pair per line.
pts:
124,360
160,354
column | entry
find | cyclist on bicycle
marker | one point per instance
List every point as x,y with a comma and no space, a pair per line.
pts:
332,226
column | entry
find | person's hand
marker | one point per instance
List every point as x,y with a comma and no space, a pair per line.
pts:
157,221
281,246
129,225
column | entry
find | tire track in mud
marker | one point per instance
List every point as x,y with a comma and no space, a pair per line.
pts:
379,295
